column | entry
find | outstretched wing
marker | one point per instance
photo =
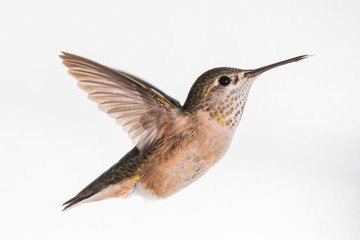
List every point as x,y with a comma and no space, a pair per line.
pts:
141,109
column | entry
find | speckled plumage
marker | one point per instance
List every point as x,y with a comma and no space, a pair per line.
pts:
174,144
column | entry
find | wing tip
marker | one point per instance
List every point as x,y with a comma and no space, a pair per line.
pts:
66,57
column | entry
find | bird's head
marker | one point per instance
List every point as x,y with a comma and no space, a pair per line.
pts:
223,92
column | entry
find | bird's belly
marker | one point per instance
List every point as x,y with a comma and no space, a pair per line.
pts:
185,172
174,172
174,175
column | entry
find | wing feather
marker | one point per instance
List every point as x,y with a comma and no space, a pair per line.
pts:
141,109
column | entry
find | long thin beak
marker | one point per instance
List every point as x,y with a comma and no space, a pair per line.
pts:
258,71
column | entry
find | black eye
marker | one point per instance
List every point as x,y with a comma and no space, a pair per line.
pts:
224,80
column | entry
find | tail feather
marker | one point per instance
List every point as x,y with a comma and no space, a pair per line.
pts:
96,186
73,201
115,180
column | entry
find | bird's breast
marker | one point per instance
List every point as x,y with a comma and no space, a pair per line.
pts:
183,157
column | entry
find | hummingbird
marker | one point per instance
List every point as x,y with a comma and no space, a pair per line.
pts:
174,144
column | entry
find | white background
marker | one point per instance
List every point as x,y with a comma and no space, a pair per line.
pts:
292,171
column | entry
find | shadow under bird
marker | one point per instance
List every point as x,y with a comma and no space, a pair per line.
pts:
174,144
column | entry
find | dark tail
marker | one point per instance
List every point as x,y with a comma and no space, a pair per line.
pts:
123,169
